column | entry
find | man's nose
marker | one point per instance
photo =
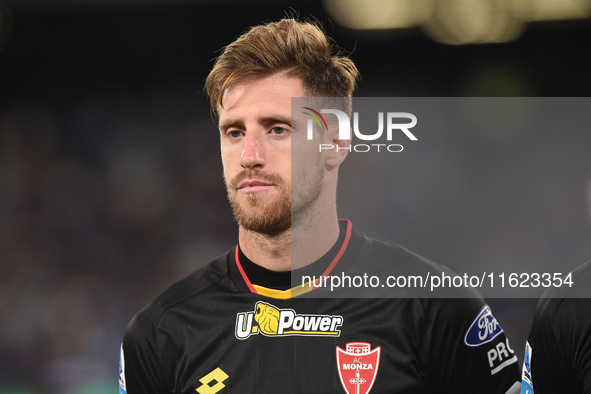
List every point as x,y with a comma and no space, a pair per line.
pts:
252,151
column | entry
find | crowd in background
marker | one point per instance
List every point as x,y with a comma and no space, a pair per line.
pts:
103,205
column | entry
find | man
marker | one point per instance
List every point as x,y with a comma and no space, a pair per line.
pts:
558,349
237,325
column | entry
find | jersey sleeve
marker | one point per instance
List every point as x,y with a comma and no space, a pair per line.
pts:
559,345
468,349
559,342
140,370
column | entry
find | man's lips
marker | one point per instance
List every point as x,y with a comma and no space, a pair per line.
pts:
253,186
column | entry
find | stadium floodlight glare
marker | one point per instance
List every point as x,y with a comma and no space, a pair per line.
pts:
378,14
455,22
552,10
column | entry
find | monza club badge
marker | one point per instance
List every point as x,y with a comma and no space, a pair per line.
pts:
358,367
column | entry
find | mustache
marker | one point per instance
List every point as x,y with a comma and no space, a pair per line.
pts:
272,178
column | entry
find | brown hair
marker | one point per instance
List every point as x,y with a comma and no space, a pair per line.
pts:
301,49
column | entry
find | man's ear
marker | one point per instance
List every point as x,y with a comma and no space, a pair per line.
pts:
336,149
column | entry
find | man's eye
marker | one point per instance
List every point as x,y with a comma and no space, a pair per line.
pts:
279,130
235,133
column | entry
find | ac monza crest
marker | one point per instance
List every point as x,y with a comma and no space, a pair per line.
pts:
358,367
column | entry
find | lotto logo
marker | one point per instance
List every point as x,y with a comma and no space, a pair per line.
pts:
217,376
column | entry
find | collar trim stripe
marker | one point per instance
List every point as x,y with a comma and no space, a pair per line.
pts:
246,280
301,289
274,293
339,254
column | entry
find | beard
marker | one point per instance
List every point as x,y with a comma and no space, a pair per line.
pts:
272,217
256,214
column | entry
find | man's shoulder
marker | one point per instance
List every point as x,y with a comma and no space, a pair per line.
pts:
407,272
205,279
569,303
382,254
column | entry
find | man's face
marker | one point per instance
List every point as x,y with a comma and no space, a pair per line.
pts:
256,142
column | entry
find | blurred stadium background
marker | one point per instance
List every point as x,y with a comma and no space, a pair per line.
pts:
110,179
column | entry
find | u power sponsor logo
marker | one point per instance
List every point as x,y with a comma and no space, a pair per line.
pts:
483,329
271,321
395,122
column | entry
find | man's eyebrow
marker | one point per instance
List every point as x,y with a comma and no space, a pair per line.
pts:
267,120
229,123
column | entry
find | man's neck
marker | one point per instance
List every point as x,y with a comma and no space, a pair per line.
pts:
305,242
